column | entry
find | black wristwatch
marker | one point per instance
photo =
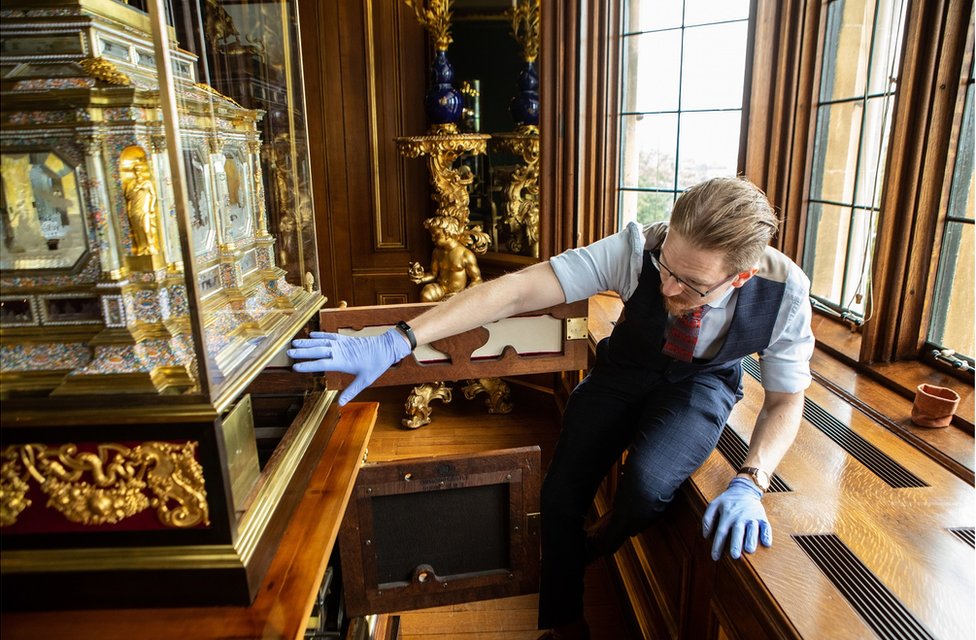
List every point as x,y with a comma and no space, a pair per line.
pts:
759,477
405,329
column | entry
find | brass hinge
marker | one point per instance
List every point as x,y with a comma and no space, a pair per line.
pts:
576,329
532,523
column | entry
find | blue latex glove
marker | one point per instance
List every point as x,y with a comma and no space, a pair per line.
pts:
741,519
366,358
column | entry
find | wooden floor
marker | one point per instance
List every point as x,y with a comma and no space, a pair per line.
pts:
465,426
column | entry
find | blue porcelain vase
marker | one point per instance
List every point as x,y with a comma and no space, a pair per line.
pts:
525,106
444,103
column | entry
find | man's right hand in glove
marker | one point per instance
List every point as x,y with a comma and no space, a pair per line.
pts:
366,358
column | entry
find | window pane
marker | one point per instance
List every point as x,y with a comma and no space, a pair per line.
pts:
652,71
835,152
646,206
714,66
827,233
877,125
709,146
699,11
952,321
646,15
887,50
859,253
681,100
847,48
648,148
953,306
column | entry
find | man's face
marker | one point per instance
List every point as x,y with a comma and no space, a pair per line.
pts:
686,267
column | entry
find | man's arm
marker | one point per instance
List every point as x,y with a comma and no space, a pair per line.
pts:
529,289
776,427
736,518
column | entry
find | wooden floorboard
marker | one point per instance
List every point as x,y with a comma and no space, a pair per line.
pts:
464,426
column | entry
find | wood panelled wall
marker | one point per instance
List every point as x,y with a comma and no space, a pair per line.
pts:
365,77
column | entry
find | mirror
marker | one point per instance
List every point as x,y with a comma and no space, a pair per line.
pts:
494,54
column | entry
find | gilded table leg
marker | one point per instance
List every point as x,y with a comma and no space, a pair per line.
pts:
417,405
498,393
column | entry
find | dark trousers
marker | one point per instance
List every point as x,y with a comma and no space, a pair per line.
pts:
668,429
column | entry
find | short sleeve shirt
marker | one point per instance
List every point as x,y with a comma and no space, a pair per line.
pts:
615,262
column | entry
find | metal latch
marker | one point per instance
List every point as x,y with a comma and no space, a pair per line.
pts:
576,329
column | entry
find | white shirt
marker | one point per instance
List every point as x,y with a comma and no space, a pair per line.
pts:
615,262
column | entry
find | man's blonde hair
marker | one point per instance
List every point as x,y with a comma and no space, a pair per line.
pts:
731,215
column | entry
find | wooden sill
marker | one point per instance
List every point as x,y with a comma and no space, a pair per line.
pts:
836,339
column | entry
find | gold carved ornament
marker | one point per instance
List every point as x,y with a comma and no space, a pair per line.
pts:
104,70
435,17
522,202
141,207
525,27
108,486
450,184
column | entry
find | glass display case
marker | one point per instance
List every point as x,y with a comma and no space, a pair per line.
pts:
157,256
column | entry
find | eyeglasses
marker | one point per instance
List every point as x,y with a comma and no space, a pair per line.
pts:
661,267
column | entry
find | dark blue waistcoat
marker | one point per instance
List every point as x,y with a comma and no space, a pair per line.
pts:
638,336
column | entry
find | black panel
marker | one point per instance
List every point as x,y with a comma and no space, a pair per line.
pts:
438,529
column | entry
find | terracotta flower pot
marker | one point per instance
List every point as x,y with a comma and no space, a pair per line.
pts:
934,406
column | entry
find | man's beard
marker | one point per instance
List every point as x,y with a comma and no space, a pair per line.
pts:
677,305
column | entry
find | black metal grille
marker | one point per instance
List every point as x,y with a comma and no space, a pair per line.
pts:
869,597
877,461
966,534
866,453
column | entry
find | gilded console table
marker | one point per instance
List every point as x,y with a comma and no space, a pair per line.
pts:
521,221
457,245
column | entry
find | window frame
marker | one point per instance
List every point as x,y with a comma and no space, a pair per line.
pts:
679,111
783,69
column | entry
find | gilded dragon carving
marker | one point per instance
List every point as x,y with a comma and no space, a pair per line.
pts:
107,486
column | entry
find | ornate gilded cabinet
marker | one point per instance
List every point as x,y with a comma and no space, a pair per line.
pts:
157,256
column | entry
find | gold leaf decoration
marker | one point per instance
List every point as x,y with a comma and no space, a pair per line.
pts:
109,486
435,16
525,27
105,70
13,487
175,477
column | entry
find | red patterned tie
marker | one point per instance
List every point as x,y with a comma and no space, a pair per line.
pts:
682,334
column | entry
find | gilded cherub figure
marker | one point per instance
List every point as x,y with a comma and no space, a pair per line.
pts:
453,266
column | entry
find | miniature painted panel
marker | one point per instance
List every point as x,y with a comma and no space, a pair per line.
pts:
43,224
